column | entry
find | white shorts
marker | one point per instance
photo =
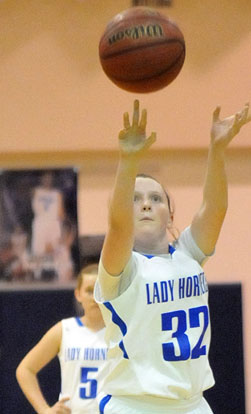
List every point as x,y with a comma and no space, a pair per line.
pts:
153,405
44,232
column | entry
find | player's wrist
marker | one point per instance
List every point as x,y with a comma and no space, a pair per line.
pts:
129,160
217,148
44,410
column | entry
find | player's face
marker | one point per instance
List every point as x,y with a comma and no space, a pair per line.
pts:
151,211
47,180
84,294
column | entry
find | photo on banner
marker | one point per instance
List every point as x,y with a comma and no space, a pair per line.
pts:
38,226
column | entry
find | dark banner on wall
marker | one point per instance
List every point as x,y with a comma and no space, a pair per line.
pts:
38,226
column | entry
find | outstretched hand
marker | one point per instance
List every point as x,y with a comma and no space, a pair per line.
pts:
223,131
132,138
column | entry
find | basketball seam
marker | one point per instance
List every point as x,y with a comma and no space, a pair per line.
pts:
141,47
151,76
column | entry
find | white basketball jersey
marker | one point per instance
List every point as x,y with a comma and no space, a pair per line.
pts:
158,328
82,360
46,203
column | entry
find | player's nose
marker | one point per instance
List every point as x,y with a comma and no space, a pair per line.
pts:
146,206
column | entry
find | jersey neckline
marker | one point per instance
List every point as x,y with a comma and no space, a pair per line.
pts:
150,256
79,322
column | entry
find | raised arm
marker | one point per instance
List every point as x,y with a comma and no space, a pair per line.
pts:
119,239
207,223
26,373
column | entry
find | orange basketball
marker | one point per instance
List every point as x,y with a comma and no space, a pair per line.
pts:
141,50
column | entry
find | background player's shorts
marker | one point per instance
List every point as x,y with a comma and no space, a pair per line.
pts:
44,232
152,405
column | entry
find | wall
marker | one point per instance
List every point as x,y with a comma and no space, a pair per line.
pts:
58,108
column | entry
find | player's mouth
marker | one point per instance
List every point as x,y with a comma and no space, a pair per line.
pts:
146,219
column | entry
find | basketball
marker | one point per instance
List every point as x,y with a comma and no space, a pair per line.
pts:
141,50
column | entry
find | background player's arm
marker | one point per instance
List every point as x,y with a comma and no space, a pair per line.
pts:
119,239
207,223
38,357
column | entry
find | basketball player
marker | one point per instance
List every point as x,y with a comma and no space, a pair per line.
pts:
81,349
154,295
48,209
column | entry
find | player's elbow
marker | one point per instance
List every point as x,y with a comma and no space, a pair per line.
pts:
22,371
19,373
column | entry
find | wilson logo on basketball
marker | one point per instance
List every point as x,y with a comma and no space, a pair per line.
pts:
136,32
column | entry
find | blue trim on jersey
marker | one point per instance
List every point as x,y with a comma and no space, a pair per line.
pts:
115,318
121,324
103,403
171,251
79,322
149,256
122,347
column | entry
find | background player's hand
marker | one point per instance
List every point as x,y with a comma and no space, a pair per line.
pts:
223,131
132,138
59,407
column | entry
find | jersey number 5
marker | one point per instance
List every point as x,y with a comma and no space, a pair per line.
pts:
180,333
90,390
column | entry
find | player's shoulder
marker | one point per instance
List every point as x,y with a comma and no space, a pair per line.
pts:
187,246
71,322
54,334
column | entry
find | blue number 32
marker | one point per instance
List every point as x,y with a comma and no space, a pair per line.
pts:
180,333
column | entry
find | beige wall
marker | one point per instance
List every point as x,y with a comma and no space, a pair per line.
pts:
59,109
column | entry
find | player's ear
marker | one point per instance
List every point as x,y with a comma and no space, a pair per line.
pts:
170,221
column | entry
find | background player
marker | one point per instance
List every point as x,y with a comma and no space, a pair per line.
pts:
48,209
81,349
155,299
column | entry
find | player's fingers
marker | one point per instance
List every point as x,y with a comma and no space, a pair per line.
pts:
247,105
64,399
126,120
216,113
63,409
122,135
245,112
236,124
143,120
150,140
241,117
135,119
237,117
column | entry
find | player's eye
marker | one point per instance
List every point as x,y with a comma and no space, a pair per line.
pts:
136,198
156,198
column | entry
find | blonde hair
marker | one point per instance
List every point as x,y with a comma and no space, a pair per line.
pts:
91,268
